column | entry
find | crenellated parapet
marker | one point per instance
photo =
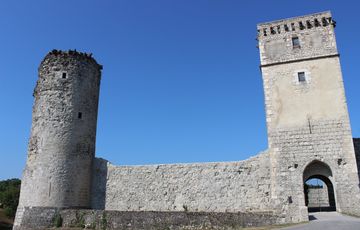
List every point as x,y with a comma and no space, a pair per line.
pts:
323,19
306,37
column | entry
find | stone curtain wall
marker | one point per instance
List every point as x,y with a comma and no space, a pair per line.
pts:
209,187
99,180
318,197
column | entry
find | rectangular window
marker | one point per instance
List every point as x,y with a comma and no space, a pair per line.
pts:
301,77
296,42
63,75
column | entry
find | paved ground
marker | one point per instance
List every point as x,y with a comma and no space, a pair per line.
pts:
328,221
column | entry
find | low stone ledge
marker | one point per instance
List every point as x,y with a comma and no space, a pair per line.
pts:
45,218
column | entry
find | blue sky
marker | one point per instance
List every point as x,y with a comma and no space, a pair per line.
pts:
181,79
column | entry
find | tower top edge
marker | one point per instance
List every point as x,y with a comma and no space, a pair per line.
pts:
293,19
71,53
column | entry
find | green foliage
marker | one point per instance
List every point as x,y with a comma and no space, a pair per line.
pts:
58,220
103,221
79,221
9,195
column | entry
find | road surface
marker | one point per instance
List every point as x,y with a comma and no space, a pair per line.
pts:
328,221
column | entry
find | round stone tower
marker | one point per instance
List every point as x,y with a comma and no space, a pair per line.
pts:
62,143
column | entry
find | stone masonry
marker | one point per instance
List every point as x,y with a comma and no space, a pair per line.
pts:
62,143
309,136
318,197
209,187
306,113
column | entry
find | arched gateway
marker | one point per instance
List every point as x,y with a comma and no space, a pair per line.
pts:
319,197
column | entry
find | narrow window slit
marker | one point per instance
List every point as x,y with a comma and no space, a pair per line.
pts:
80,115
63,75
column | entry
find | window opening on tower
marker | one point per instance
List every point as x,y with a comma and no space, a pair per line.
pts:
301,77
296,42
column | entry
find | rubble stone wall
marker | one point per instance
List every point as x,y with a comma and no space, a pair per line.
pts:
208,187
48,218
62,143
318,197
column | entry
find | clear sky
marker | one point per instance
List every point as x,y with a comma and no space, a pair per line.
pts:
181,79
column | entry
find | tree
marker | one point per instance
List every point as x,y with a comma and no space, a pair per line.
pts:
9,195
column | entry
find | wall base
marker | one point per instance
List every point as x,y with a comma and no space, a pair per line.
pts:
42,218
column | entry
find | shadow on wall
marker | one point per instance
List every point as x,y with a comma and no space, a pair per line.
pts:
357,154
99,178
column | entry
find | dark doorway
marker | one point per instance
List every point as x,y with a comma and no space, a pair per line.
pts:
318,188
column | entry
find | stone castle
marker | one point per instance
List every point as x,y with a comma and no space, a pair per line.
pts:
309,136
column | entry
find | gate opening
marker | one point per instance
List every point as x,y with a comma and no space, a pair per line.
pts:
318,188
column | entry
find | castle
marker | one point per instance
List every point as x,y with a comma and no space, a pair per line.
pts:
309,136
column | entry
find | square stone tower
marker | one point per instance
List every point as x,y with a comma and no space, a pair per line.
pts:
308,126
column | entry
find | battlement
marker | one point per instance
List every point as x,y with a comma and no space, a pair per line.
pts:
322,19
294,39
71,53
